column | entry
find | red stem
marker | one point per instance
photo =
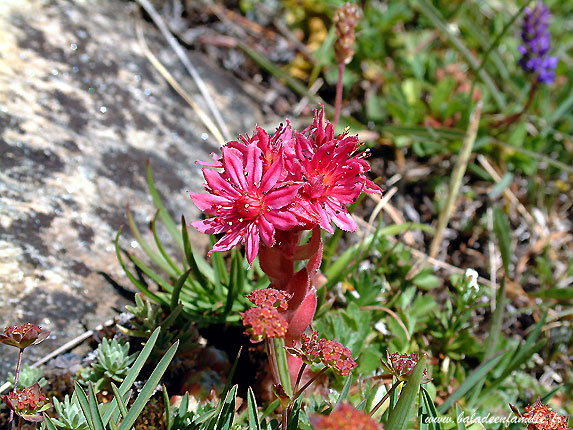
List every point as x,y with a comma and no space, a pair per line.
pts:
16,382
338,100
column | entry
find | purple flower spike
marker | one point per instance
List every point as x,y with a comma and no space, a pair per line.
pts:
537,43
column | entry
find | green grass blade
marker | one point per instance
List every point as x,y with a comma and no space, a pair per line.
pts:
555,293
501,228
94,410
141,287
154,256
163,283
477,375
456,179
160,247
520,356
133,373
252,411
237,280
163,214
84,404
401,413
344,391
564,108
119,400
201,269
49,423
215,418
148,388
435,17
177,290
227,414
494,333
460,423
431,411
167,405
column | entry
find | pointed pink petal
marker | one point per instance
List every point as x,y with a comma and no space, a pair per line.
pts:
272,175
252,243
281,220
233,164
217,162
206,201
209,226
216,182
282,196
228,241
267,231
340,216
325,220
254,166
262,139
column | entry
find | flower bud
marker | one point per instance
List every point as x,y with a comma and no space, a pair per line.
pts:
346,17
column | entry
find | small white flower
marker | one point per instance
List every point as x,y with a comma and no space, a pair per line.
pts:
473,284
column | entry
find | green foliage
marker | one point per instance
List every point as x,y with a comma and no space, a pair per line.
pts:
149,315
70,415
206,293
28,376
112,364
115,414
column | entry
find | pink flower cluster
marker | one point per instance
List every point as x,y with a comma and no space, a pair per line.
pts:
290,180
330,353
266,319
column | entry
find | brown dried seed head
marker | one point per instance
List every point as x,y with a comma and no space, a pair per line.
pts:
346,17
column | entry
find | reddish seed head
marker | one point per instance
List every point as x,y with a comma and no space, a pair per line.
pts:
330,353
22,336
270,297
264,322
346,417
401,365
541,417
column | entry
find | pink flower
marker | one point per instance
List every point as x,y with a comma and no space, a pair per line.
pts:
333,174
247,201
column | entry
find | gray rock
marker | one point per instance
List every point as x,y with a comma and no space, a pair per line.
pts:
81,110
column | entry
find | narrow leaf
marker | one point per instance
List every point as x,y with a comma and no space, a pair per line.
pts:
84,404
148,388
154,256
163,214
132,278
400,414
501,228
119,400
177,290
133,373
477,375
253,411
94,410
